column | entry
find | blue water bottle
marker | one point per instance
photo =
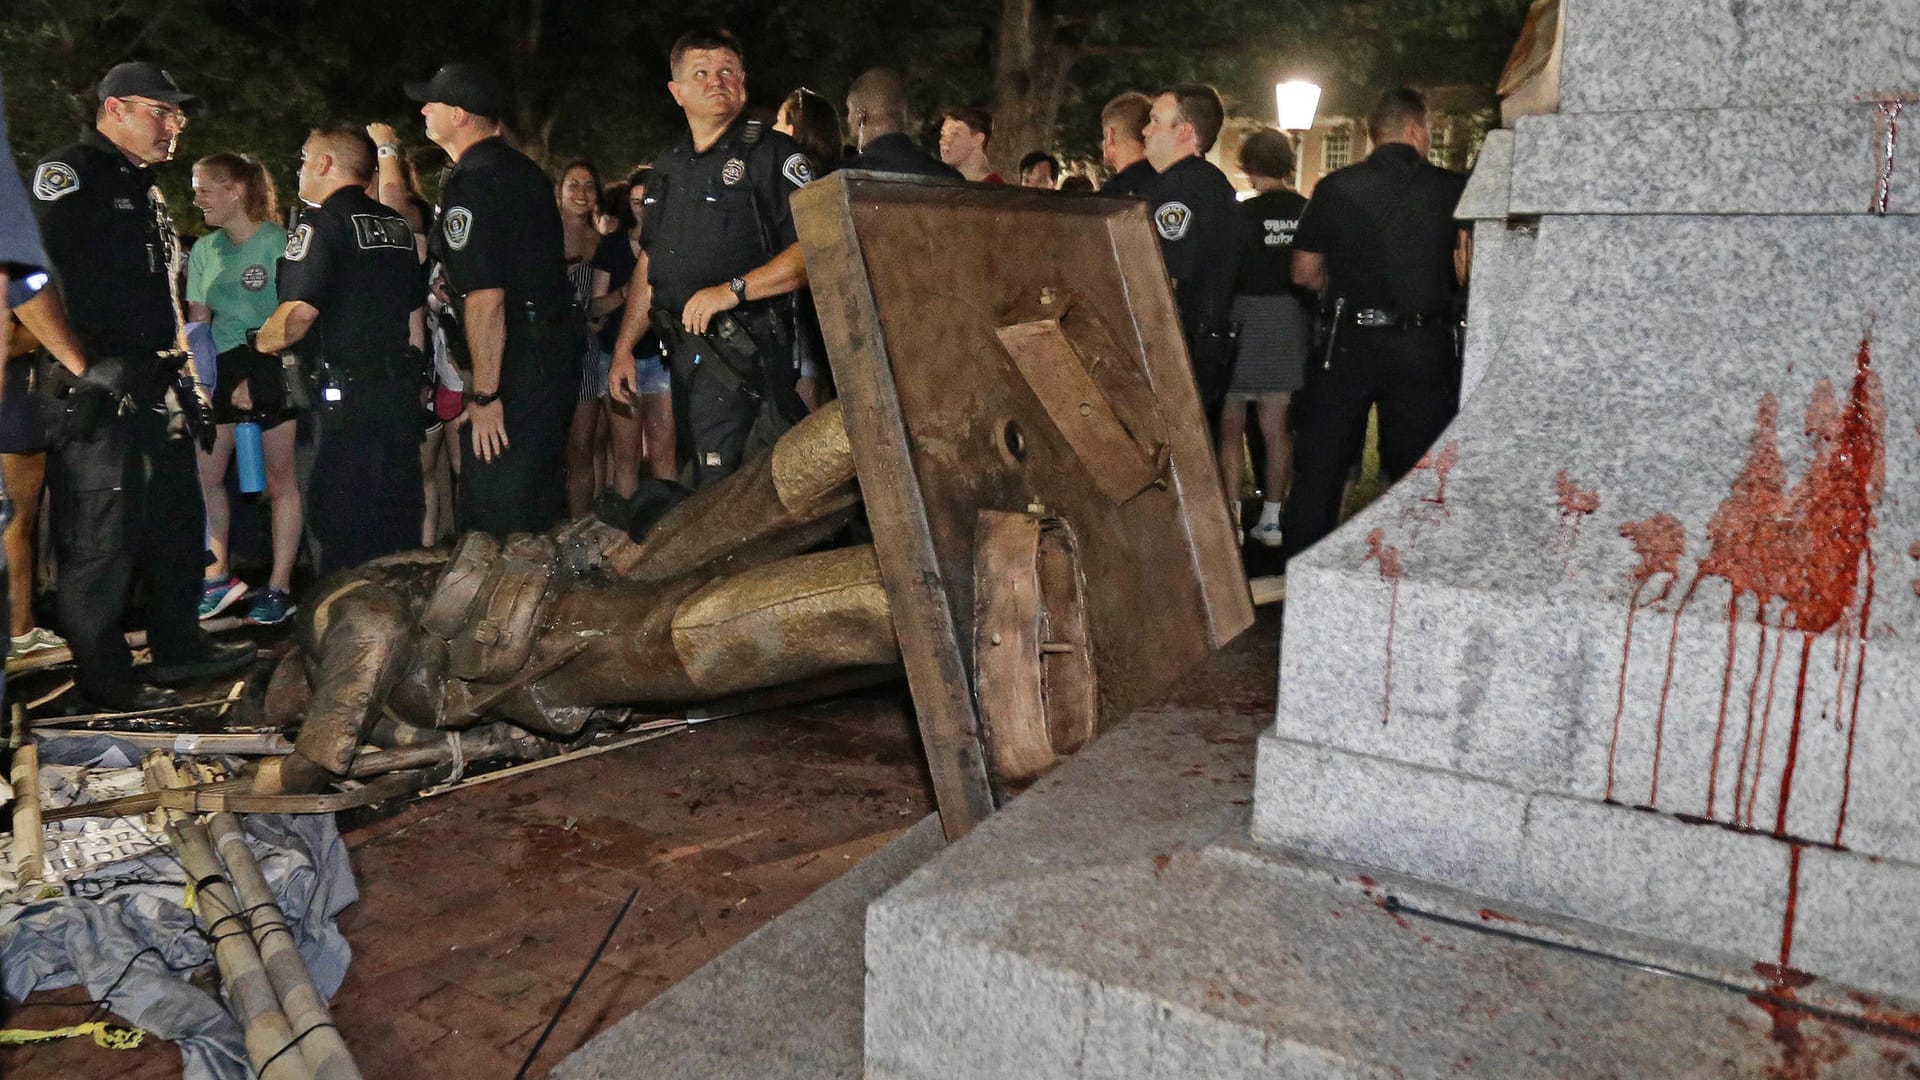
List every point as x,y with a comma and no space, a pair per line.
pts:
246,455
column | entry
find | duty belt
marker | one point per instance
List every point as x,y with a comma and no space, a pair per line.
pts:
1382,319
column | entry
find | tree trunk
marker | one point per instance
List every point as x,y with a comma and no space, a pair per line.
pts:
1030,67
531,113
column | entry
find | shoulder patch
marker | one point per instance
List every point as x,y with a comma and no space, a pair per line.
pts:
798,170
1172,219
459,226
54,180
297,242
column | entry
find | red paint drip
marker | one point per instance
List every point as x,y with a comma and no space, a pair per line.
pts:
1388,557
1766,717
1666,687
1726,692
1753,691
1793,741
1576,503
1659,541
1853,720
1886,138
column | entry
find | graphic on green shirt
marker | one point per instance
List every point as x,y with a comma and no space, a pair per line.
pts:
236,281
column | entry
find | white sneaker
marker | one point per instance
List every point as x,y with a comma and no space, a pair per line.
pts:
1268,533
38,639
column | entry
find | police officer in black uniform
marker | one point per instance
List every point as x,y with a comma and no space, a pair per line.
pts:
349,284
499,239
1197,216
722,259
1379,240
123,481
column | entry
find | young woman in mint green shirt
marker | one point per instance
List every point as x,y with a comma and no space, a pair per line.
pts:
230,285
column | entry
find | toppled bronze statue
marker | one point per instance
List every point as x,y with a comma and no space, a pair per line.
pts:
724,593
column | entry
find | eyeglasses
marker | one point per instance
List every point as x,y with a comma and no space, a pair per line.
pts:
166,114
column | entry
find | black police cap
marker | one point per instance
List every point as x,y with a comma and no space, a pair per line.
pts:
465,86
140,79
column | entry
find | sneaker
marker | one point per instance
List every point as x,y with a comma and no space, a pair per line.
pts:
271,608
1268,533
218,596
38,639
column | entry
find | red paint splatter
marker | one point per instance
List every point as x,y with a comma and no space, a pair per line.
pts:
1574,499
1489,915
1442,464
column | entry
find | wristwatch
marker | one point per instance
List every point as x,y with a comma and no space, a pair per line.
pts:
483,399
739,287
387,150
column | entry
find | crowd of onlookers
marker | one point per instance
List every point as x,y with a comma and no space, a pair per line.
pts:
1246,304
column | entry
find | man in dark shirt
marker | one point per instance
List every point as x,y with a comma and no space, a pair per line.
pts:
722,259
499,238
22,275
1196,214
877,117
349,284
1121,146
129,485
1378,240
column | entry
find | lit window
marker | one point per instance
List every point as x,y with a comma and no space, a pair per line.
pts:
1336,150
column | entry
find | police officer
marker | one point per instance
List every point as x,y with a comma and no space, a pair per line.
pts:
1121,122
498,237
1196,214
722,259
128,485
349,283
1378,239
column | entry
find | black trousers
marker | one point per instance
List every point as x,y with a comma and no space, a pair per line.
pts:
364,499
1414,379
725,421
127,499
524,488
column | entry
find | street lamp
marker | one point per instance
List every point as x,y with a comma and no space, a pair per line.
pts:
1296,100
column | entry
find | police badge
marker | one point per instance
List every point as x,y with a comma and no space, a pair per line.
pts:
54,180
297,242
459,226
733,172
1172,219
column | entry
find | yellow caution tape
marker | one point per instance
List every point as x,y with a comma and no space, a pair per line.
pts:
105,1035
191,898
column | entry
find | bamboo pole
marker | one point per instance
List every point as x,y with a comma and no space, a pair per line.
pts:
249,989
28,856
325,1052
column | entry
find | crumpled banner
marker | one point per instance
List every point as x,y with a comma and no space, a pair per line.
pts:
69,940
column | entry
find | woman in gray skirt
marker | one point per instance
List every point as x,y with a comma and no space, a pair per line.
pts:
1272,320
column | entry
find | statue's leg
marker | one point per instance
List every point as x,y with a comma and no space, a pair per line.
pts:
793,619
360,635
775,505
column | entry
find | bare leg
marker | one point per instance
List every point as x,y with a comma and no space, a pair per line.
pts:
26,476
213,488
283,490
580,459
430,484
1273,425
656,421
623,444
1232,448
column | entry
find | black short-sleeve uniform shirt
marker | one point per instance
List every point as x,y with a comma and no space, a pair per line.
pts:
110,245
896,153
1131,180
353,259
712,216
1197,216
1387,229
499,228
1268,222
